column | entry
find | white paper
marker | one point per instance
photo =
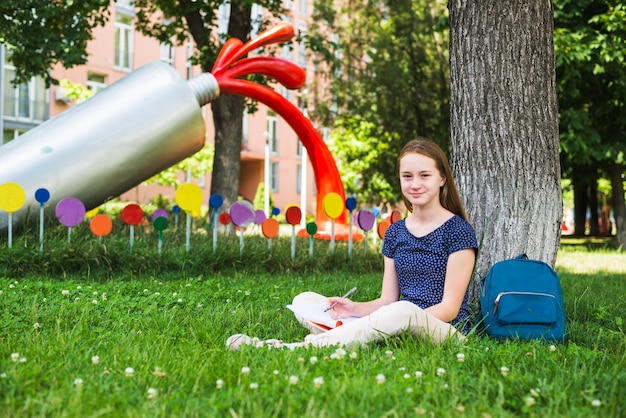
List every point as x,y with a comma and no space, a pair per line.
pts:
314,313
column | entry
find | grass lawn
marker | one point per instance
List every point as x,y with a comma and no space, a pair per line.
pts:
112,339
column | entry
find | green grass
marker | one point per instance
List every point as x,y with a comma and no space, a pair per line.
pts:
168,317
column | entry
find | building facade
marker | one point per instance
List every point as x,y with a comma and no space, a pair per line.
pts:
269,145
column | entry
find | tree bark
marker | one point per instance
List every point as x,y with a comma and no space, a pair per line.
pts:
504,121
581,200
619,205
228,119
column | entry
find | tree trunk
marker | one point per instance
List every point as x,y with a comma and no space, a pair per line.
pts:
228,118
581,200
504,120
619,205
594,225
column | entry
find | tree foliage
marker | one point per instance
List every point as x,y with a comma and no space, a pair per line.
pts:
41,34
388,74
590,44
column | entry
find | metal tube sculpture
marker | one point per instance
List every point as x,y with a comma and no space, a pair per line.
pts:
149,121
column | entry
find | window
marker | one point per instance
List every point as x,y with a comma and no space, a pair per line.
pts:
123,42
302,45
189,63
299,179
27,101
9,135
272,131
223,15
128,4
244,131
167,52
274,176
96,82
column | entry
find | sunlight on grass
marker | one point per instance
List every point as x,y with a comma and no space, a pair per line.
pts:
591,262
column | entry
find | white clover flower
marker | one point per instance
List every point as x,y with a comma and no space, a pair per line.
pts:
43,300
441,371
103,297
157,294
409,390
341,353
174,294
78,381
219,383
553,348
334,356
1,292
247,293
11,286
180,300
95,359
407,376
15,357
318,382
313,360
460,357
159,373
152,393
145,291
36,325
389,353
534,392
95,301
530,401
95,293
245,370
3,375
596,403
418,374
380,379
276,372
353,355
504,371
254,385
199,305
293,380
129,371
79,287
22,359
76,299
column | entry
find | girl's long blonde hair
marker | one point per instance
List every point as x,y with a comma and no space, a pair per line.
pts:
448,193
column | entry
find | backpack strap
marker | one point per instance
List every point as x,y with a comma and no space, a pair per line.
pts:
522,256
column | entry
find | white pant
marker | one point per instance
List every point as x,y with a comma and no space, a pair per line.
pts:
386,321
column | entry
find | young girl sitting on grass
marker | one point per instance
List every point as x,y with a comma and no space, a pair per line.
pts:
428,262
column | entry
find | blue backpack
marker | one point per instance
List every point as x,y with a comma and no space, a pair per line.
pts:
522,298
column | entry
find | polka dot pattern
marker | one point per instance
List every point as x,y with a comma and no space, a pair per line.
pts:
421,262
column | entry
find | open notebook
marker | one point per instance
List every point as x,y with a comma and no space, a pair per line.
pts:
314,313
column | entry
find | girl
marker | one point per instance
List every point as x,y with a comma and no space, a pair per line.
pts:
428,262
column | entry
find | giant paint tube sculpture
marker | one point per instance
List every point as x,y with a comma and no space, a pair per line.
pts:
149,121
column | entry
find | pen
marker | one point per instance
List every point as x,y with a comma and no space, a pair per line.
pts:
351,291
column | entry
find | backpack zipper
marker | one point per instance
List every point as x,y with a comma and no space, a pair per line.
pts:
497,301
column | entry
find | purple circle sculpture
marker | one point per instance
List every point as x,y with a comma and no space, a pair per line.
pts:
259,217
160,213
70,211
242,213
366,219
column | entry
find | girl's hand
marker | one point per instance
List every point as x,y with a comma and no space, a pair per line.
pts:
343,307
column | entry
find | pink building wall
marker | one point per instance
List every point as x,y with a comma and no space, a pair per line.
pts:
101,61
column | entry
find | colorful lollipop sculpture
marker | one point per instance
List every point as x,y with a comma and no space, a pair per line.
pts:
149,121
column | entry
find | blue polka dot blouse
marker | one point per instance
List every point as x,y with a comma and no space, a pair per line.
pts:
421,262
